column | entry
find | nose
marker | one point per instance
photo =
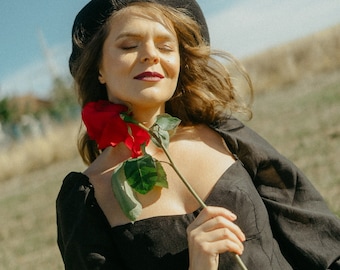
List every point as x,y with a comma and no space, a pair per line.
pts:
150,54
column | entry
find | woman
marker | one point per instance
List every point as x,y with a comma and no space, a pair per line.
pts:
154,58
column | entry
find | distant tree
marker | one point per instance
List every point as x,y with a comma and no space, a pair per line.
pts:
64,100
6,114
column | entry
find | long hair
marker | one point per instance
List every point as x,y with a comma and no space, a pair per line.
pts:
204,93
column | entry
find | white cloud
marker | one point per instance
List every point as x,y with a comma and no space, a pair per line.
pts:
37,77
244,28
250,26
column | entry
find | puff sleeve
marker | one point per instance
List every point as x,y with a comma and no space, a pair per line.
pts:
306,230
83,231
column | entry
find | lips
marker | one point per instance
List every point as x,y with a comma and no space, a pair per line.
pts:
149,76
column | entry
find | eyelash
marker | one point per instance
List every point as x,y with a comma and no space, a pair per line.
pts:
127,48
162,48
166,48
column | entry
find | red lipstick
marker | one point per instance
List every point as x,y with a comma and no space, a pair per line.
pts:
149,76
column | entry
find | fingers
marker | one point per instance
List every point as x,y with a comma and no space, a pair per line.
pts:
214,232
222,240
226,228
108,160
212,211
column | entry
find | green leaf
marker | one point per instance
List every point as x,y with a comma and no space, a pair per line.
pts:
143,173
161,136
167,122
163,129
161,179
124,194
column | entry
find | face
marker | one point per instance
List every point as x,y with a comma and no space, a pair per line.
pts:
140,60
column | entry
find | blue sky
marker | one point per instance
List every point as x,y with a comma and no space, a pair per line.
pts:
242,27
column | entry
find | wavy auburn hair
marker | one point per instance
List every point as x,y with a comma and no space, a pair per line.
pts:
204,93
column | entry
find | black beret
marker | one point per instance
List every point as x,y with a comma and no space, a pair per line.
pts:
94,14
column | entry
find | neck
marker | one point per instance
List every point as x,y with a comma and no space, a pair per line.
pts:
146,116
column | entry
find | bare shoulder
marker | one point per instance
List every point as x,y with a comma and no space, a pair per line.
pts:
203,157
201,139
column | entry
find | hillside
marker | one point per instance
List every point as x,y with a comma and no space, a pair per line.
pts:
297,97
297,61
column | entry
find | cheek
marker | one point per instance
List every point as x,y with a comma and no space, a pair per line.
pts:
123,65
173,64
115,69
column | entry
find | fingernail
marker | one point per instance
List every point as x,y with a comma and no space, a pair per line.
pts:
233,216
243,238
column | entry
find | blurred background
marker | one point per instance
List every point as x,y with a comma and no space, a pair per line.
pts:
291,50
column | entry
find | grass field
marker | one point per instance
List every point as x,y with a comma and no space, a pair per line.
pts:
302,120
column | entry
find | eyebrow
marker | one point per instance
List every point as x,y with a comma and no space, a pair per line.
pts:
128,34
139,36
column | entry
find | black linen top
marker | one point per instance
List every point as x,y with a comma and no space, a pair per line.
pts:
286,222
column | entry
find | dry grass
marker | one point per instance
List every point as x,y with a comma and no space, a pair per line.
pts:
27,223
299,60
36,167
302,120
58,143
303,123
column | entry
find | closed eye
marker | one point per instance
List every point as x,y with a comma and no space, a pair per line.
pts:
127,48
129,44
166,46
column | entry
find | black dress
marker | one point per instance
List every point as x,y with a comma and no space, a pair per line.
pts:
279,233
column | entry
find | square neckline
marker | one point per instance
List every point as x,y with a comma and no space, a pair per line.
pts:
237,162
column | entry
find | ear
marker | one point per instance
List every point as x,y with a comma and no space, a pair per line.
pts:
101,78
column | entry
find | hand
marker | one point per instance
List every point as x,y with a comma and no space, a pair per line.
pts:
211,233
107,161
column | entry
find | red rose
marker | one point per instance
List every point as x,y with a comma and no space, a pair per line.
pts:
105,126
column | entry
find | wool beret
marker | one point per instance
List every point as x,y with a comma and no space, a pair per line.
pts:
94,14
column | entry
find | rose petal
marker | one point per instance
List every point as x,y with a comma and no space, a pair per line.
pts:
105,126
